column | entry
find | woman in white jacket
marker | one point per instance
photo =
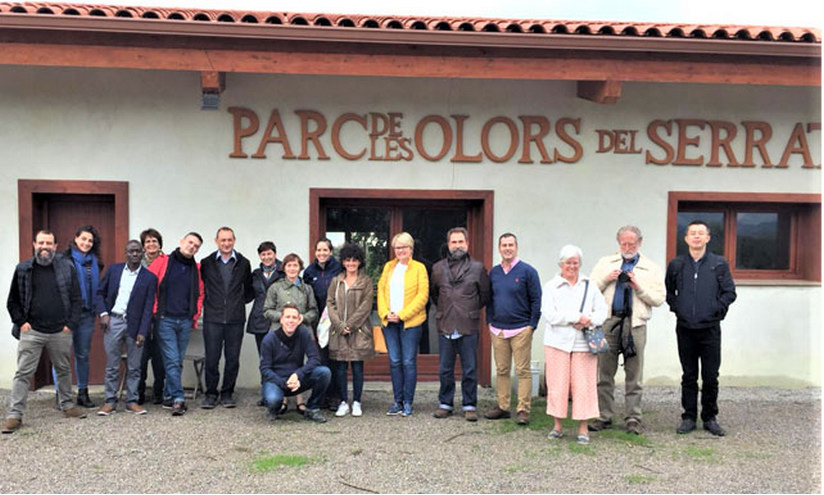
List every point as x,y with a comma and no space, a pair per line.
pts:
570,304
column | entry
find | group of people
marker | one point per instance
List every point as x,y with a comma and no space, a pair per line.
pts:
310,330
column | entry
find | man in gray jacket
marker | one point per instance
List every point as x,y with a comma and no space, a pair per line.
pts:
460,289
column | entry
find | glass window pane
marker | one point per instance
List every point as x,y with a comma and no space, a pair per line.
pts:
715,220
367,227
762,241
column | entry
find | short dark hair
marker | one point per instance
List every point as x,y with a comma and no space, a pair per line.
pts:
150,232
507,234
95,238
224,228
327,241
195,234
267,246
290,305
697,222
352,251
134,241
292,257
457,230
44,232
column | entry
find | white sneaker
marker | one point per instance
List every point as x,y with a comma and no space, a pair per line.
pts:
356,409
343,409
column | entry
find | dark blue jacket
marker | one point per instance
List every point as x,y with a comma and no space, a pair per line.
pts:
278,361
516,297
320,278
258,323
699,298
141,301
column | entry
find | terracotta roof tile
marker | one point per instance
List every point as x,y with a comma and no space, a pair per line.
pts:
502,26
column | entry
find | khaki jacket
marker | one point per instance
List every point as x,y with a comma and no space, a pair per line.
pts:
649,277
350,308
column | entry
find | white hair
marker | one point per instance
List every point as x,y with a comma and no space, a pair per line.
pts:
570,251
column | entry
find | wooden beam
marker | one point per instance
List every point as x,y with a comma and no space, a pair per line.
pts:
605,92
418,62
212,82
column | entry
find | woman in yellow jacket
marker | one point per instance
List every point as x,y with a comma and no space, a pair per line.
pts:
403,290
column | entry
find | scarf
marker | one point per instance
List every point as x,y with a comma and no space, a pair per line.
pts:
88,274
287,340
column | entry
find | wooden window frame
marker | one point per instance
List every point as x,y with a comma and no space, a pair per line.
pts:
805,231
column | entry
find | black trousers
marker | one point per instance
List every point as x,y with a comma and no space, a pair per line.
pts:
699,345
226,339
151,351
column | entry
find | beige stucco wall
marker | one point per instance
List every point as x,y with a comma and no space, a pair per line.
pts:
146,128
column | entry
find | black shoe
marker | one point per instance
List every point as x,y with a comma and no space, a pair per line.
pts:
272,415
315,416
141,398
713,427
228,401
687,425
208,402
179,409
167,403
157,400
83,399
599,425
261,403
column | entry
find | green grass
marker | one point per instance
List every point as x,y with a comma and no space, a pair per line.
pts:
265,464
514,468
754,455
97,468
577,448
701,454
639,478
356,452
624,437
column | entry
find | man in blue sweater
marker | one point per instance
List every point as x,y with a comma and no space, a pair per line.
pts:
512,316
282,368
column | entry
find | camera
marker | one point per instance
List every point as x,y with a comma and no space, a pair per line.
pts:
623,277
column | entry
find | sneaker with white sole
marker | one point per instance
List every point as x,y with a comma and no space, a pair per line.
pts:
343,409
356,409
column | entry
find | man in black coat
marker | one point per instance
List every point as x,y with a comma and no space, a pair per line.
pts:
460,289
44,304
699,292
227,287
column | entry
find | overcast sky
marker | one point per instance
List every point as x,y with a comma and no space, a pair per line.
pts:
806,13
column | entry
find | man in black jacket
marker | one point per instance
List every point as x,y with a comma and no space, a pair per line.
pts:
460,289
699,291
44,304
227,287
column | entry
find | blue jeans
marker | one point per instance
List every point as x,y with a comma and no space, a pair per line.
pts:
448,349
402,344
357,379
173,336
318,380
82,344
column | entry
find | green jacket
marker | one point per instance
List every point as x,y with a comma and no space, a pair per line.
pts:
284,291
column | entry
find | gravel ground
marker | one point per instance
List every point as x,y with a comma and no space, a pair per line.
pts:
773,445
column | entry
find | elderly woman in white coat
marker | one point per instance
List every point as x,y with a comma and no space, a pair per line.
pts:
570,304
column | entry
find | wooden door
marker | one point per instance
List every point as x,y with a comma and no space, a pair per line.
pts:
62,207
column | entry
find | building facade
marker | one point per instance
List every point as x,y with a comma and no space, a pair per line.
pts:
296,126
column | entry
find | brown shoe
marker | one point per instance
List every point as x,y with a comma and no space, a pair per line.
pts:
523,417
106,410
471,416
497,413
599,425
10,425
634,426
135,408
442,413
75,412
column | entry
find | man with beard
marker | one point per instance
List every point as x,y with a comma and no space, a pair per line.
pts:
44,303
459,288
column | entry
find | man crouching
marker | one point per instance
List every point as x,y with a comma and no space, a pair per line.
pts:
282,369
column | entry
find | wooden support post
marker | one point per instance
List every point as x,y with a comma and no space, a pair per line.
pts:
605,92
212,82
